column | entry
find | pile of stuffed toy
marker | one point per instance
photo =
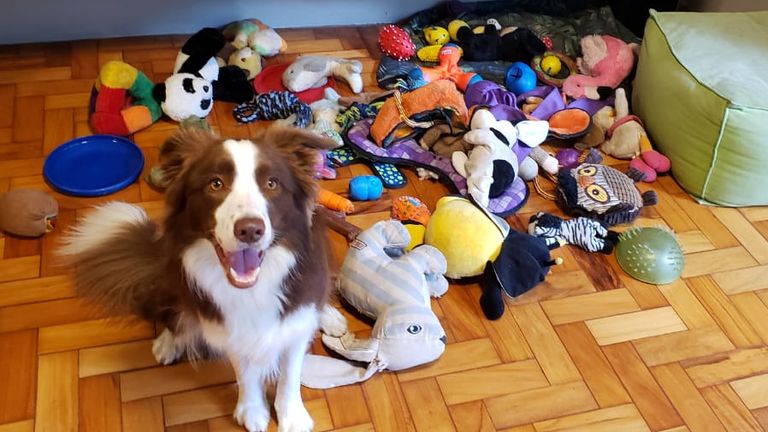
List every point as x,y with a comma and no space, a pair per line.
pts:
550,120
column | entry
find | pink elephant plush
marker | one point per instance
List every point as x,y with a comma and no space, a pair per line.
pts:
605,62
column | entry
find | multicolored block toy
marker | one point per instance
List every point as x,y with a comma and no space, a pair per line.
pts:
121,100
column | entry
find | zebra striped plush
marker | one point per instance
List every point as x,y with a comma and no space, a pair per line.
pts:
586,233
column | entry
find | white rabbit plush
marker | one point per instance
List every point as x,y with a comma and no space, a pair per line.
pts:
383,282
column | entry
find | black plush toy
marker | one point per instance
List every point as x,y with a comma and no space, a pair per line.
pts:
520,44
523,263
198,80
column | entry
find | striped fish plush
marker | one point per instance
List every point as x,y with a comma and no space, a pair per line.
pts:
383,282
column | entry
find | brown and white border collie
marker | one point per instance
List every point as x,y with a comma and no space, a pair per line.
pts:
238,266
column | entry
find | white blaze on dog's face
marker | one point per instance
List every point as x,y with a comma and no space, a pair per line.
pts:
243,230
243,196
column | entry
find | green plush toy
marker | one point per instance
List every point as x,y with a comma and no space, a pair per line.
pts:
467,236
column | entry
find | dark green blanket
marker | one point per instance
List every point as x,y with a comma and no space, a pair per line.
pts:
554,18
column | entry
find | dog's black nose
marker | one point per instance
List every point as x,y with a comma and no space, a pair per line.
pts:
249,230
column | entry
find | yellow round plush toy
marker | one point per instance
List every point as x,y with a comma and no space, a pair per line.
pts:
465,235
435,35
417,235
453,28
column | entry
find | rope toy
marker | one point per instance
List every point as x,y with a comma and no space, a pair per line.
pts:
273,106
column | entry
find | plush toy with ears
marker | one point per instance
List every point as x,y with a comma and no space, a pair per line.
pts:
312,71
519,44
198,80
383,282
604,64
492,164
626,139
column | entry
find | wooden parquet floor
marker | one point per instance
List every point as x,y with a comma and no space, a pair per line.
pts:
590,349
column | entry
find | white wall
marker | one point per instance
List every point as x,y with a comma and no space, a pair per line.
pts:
59,20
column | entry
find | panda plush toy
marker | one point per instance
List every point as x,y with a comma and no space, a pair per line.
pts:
198,80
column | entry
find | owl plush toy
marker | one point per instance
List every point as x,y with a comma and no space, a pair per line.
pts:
601,192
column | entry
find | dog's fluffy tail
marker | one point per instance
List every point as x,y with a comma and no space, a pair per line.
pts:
117,261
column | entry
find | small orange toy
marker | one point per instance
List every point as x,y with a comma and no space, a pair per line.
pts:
334,201
407,208
449,68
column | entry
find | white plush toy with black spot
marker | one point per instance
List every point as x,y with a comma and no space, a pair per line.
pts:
496,158
198,80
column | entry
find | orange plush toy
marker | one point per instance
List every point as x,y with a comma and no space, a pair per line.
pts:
449,69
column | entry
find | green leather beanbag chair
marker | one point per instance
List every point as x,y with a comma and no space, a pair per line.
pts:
701,88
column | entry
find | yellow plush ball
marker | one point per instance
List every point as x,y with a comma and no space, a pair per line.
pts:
551,65
417,235
453,28
435,35
465,235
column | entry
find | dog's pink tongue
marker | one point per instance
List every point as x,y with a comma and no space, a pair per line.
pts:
245,261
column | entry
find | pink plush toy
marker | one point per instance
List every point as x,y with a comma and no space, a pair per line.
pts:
605,62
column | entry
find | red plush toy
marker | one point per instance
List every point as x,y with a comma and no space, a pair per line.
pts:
396,43
449,68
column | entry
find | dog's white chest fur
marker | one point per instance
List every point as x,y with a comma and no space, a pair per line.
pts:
253,324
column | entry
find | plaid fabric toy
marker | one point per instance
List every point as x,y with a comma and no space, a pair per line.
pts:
601,192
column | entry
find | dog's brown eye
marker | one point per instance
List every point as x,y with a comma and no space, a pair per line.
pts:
272,183
216,184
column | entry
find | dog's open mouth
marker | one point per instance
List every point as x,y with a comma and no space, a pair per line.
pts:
242,266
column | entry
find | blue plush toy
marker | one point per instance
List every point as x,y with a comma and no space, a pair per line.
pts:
365,188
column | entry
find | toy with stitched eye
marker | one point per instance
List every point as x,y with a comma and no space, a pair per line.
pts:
601,192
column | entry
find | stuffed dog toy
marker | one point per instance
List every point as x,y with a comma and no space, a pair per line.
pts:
382,282
313,71
493,162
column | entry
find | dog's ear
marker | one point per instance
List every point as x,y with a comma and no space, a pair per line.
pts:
302,148
180,149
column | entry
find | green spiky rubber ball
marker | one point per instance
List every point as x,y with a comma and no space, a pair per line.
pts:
649,254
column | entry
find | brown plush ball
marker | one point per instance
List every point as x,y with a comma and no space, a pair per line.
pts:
27,212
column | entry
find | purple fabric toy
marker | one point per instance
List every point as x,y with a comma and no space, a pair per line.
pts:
408,152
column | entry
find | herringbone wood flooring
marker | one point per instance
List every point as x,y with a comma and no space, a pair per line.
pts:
590,349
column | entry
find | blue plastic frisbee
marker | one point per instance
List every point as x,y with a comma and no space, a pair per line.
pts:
93,165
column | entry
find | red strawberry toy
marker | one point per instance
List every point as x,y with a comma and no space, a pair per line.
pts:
396,43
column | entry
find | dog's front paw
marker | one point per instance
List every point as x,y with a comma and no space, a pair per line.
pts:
164,348
332,322
295,419
253,417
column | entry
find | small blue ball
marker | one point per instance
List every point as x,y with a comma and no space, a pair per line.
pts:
365,188
520,78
